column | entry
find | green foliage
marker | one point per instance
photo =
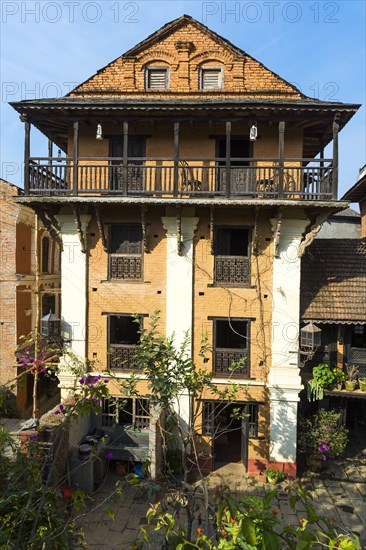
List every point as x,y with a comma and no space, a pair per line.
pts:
8,407
251,523
274,474
352,372
323,377
322,435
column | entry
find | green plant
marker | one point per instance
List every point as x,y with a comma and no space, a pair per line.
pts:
276,475
352,372
322,435
323,377
339,375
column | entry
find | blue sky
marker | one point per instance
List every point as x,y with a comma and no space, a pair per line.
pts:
48,46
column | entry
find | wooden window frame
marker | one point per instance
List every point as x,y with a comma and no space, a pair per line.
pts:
117,403
246,282
242,372
112,255
127,347
253,418
220,71
149,70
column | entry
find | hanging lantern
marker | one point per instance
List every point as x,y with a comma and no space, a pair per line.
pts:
51,325
310,337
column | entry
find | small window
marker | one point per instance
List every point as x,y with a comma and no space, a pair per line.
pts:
45,255
123,339
156,78
211,78
126,412
232,256
231,348
125,252
48,304
210,416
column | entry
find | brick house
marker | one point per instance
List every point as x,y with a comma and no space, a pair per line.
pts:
23,237
357,193
192,178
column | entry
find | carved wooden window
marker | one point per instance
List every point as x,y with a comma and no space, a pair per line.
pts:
157,78
231,348
126,411
211,78
123,340
232,256
125,252
45,255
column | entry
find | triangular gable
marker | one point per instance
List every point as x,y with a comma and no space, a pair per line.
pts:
186,40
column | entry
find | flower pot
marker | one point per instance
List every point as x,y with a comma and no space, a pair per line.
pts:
316,464
362,383
350,385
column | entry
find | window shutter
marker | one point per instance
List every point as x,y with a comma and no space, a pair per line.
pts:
157,79
211,79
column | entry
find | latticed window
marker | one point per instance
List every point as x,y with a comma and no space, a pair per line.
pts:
126,411
156,78
232,256
123,341
125,252
231,348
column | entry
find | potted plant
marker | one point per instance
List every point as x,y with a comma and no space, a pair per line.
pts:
321,437
274,476
339,379
362,383
323,377
351,380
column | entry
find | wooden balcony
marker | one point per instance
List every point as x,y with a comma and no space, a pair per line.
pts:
231,363
297,179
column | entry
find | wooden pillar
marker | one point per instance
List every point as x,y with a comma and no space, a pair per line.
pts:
75,154
125,159
26,154
228,159
281,156
176,157
335,157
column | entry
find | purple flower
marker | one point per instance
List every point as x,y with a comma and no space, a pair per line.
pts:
33,437
81,381
110,456
57,412
88,380
105,381
61,407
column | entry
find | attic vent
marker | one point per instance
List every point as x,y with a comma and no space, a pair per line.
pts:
211,78
156,78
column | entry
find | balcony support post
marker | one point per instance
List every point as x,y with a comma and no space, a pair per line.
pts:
75,154
228,159
281,156
335,157
176,157
125,159
27,127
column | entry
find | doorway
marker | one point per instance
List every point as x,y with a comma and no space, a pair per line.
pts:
240,172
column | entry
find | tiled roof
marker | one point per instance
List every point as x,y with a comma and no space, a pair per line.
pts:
333,281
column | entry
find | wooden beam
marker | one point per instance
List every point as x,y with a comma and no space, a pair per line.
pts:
212,213
26,155
335,157
79,229
125,158
228,159
176,157
143,223
179,230
101,228
75,154
281,156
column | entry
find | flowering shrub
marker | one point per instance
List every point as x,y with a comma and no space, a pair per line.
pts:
323,435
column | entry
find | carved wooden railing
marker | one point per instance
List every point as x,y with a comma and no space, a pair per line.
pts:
231,363
248,178
123,357
232,270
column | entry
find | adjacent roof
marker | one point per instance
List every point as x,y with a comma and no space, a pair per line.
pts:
333,281
357,193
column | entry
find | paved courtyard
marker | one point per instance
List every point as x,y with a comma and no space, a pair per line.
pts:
339,494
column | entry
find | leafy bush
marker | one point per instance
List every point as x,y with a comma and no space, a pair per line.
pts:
323,435
323,377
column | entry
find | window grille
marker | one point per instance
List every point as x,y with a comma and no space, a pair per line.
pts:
232,256
211,78
156,78
125,252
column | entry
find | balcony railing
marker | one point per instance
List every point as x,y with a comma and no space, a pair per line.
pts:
231,363
302,179
123,357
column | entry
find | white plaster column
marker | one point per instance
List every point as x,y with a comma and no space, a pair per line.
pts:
179,287
73,295
284,377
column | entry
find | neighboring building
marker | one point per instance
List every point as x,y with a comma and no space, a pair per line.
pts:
357,193
341,225
22,239
194,178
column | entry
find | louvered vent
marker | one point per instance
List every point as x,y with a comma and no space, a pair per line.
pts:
211,79
157,79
